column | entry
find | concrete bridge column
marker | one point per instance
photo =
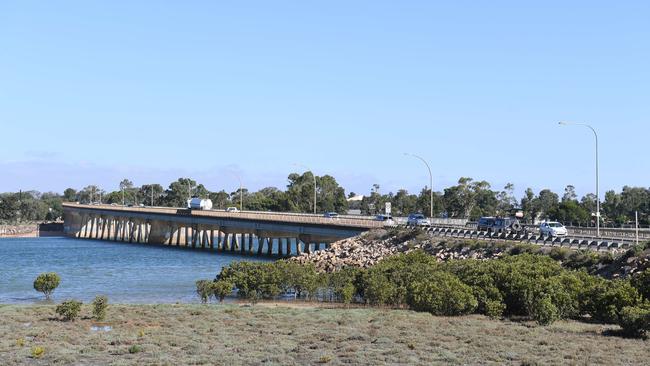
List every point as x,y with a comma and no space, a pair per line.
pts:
242,243
92,226
298,246
227,242
84,227
109,234
269,246
250,243
260,245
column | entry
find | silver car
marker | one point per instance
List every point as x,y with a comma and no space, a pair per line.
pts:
418,220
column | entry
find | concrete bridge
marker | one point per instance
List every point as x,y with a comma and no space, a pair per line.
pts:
260,233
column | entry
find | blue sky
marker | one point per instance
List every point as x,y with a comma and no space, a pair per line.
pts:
92,92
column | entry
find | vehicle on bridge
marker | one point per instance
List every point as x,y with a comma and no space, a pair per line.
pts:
553,228
484,223
196,203
386,218
232,209
418,219
501,225
331,215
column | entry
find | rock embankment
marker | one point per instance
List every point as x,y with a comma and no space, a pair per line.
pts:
18,230
369,248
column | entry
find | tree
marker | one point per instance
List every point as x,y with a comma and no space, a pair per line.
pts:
423,203
90,194
570,212
529,206
128,195
220,199
300,192
331,196
548,202
506,200
221,289
70,195
180,191
404,203
151,194
569,194
47,283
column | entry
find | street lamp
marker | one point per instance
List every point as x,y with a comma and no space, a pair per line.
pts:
430,180
597,195
241,191
314,175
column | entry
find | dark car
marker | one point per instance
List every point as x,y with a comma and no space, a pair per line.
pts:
484,223
507,225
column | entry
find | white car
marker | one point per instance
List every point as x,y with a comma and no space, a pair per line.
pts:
552,228
232,209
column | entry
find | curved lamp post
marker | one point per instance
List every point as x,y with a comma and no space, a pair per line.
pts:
430,180
241,191
314,175
597,195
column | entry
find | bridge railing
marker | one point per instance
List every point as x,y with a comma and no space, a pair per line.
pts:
343,220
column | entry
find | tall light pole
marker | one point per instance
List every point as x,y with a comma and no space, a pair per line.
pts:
430,180
313,175
597,193
241,191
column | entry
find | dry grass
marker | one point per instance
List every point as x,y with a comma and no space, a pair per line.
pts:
279,335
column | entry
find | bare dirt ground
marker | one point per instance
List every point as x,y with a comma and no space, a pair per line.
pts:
301,334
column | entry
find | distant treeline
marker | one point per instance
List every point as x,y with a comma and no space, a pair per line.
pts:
468,199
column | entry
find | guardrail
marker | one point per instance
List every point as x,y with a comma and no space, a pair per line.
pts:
571,242
249,215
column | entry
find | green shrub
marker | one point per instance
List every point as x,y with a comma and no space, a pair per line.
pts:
302,278
254,280
342,284
635,320
641,281
47,283
494,308
378,289
135,349
543,310
477,275
38,352
559,254
204,290
69,310
442,293
100,306
608,298
221,289
388,281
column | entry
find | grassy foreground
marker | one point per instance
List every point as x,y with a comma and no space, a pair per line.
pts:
283,335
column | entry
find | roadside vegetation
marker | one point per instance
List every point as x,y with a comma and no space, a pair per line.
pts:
524,283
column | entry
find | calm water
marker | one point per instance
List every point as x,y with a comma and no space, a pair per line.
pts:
126,273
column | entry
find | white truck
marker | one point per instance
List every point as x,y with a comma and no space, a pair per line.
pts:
199,204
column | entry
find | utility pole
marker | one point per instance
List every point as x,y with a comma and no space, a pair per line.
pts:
430,181
636,219
241,191
597,195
